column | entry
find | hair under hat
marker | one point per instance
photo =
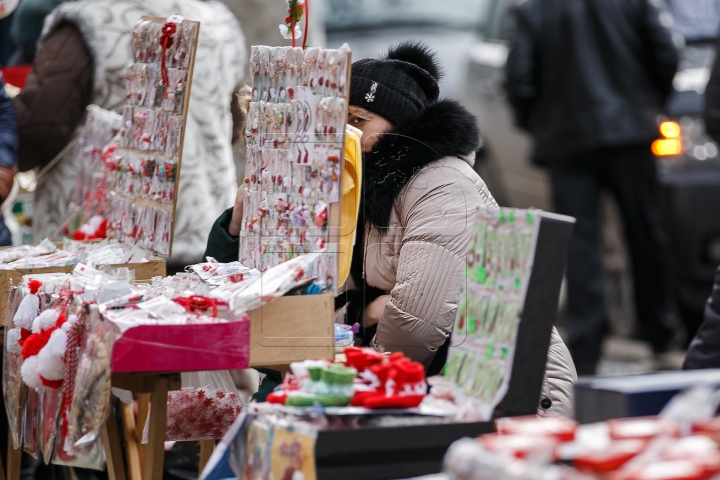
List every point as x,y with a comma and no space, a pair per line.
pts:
398,86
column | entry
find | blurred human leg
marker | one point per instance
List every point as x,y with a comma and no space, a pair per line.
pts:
576,192
630,174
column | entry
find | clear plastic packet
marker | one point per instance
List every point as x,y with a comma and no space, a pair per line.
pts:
13,385
8,255
204,409
91,395
30,423
276,282
50,400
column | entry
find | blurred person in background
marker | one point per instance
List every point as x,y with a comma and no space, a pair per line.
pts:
83,54
8,154
704,350
26,27
587,79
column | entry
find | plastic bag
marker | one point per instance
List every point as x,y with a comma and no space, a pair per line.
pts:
204,409
13,385
30,427
86,394
50,400
91,396
276,282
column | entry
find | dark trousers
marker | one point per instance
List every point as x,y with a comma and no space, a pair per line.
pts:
628,173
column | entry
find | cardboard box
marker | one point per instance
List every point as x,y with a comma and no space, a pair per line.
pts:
600,399
292,329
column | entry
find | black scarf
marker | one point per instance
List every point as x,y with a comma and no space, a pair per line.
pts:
444,129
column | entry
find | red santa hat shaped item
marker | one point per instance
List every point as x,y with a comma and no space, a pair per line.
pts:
42,358
386,381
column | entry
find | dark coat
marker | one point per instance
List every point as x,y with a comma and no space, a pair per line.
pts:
584,74
704,351
58,89
222,246
712,102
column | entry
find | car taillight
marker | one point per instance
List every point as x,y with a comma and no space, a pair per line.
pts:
670,144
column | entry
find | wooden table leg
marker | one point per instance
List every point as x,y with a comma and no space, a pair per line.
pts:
132,450
14,460
156,435
206,449
143,403
113,451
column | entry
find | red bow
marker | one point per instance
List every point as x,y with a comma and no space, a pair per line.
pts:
166,41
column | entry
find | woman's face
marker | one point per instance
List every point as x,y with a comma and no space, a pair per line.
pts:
372,125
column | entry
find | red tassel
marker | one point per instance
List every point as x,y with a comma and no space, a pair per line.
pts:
34,286
24,334
166,41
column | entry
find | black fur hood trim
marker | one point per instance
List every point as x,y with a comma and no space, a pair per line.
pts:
444,129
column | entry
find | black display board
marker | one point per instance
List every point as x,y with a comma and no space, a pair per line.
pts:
404,452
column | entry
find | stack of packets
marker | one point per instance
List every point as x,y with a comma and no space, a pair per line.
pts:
46,254
650,448
497,273
143,166
58,358
294,135
88,204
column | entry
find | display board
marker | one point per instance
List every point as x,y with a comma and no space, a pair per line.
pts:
496,275
145,169
294,135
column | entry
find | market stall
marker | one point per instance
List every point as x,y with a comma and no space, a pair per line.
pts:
153,331
369,417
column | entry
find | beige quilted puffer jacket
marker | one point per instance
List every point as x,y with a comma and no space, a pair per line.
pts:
418,261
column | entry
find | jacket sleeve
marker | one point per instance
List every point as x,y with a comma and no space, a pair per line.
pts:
704,351
222,246
58,90
712,101
435,211
521,82
560,379
661,54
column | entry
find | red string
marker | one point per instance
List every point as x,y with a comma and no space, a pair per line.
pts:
198,303
166,41
307,15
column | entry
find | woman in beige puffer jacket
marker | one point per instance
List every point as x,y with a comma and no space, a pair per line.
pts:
420,193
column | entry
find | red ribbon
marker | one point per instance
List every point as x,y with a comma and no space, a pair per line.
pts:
166,41
307,15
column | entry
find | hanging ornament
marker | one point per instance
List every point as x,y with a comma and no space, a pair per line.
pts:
290,30
166,41
27,310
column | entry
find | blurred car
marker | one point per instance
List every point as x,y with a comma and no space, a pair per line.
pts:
471,39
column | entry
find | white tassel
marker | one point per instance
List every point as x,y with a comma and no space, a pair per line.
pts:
13,337
27,311
45,320
29,372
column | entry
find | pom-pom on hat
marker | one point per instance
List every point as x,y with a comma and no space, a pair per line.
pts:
398,86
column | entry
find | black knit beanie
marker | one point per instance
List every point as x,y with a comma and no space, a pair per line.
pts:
399,86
